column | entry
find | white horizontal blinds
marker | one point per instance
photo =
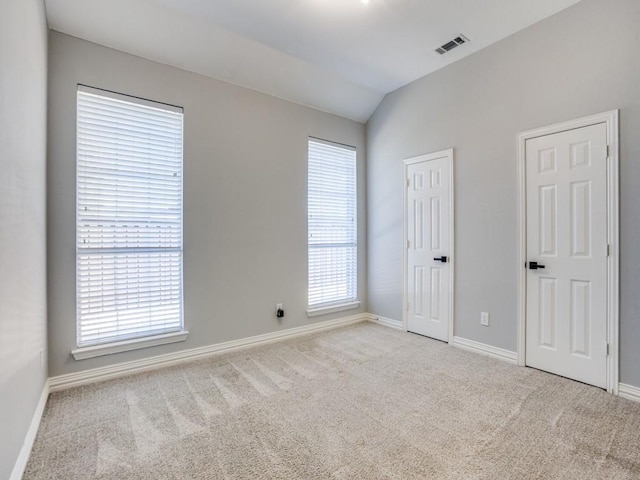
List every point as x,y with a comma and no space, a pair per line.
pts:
129,218
332,224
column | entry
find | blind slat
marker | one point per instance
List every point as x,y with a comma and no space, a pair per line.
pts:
129,219
332,224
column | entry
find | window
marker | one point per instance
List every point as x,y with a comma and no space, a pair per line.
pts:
332,225
129,218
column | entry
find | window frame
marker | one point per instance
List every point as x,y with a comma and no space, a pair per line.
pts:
346,303
154,337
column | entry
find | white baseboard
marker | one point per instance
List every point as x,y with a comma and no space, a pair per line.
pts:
629,392
386,322
30,438
70,380
484,349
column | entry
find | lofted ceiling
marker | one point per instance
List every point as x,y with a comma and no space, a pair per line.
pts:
339,56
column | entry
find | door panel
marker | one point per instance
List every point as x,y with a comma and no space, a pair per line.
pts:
428,223
580,317
548,220
548,312
419,294
567,236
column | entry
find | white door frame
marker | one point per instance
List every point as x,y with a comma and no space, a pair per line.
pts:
405,237
613,221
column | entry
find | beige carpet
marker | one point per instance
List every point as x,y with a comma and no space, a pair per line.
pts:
363,402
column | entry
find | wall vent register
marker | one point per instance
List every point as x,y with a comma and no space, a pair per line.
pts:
455,43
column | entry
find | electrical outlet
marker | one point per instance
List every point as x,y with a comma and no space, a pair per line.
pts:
484,319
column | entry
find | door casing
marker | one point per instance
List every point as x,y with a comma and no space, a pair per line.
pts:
448,154
611,120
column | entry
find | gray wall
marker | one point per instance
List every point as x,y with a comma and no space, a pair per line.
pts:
23,112
245,192
582,61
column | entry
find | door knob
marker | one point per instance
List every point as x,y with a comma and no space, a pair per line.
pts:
441,259
535,266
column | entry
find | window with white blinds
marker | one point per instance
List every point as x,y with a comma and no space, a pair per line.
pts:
332,224
129,218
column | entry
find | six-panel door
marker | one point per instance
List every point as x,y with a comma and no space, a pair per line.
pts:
567,237
428,223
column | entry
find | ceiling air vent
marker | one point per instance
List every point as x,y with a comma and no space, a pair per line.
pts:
456,42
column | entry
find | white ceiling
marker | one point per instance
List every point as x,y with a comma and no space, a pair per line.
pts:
339,56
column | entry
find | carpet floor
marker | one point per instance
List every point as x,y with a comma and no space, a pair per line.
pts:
362,402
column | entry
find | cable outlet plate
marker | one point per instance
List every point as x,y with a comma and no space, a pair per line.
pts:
484,319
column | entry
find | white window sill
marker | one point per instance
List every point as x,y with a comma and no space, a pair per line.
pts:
314,312
83,353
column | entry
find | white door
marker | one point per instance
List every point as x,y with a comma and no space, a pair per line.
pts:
428,246
566,313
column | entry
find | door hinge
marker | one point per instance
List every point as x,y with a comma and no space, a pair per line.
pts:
608,250
408,243
407,306
608,349
408,183
608,151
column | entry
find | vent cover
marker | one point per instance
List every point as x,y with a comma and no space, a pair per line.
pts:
456,42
